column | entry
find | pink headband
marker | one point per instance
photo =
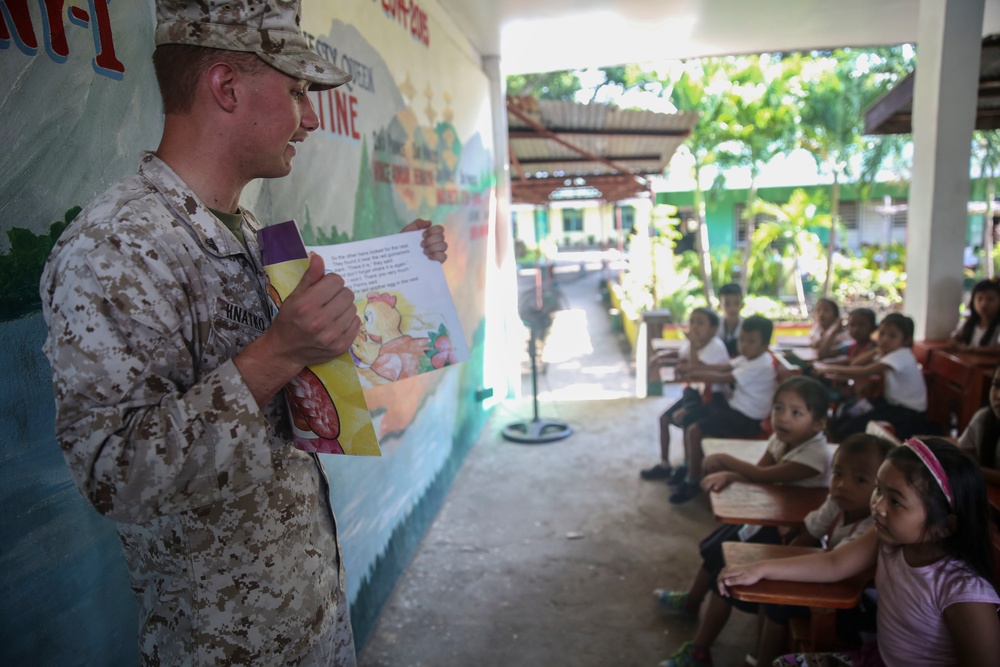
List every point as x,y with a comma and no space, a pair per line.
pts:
927,457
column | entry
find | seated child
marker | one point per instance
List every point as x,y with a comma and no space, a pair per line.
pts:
754,378
828,334
930,545
731,301
708,350
981,438
796,454
844,516
981,329
859,349
904,397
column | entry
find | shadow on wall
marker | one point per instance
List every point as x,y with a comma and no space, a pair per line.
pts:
65,597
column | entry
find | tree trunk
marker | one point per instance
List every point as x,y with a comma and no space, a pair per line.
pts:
748,243
831,241
701,241
988,239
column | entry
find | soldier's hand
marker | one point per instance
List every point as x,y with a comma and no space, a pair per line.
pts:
318,321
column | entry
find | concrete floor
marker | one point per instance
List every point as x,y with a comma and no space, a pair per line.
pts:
547,555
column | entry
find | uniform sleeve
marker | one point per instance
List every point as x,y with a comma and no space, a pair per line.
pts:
143,429
894,359
814,455
972,436
818,521
714,353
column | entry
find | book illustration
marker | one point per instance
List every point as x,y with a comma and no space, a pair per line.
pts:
387,351
325,402
409,324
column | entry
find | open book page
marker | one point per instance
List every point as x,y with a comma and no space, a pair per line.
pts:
409,324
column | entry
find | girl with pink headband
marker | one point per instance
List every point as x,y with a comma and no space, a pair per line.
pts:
930,545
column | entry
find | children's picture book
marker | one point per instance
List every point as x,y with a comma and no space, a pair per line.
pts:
409,324
326,402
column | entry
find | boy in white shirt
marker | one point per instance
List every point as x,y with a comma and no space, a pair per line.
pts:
904,398
754,380
731,301
707,350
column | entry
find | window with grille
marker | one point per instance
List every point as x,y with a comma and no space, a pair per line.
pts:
572,220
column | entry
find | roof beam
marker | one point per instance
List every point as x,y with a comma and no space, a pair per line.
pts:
531,133
650,157
513,108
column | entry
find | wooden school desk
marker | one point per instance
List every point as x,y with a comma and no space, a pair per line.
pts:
957,383
838,595
821,598
766,504
760,504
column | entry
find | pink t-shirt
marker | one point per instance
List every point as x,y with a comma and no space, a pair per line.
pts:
911,604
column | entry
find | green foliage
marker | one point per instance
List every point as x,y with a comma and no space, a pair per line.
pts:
21,268
860,280
561,85
313,236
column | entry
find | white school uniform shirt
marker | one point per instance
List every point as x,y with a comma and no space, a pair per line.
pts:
714,354
756,382
813,453
904,381
972,438
827,525
816,334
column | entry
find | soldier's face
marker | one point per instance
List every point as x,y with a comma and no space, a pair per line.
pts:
279,115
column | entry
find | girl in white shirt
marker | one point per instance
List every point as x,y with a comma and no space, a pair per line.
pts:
981,329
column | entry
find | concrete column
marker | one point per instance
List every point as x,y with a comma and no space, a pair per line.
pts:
944,109
503,330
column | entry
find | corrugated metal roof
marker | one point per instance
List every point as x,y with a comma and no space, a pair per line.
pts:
893,112
555,139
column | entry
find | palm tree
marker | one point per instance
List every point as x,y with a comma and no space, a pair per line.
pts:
832,128
788,231
986,151
702,87
761,118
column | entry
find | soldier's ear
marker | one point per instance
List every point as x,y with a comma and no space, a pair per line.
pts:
221,80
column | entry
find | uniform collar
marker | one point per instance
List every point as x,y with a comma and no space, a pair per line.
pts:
212,235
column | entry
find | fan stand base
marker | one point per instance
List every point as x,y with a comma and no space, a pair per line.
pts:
536,431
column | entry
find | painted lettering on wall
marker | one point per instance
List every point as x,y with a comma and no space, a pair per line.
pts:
17,25
363,76
410,16
338,112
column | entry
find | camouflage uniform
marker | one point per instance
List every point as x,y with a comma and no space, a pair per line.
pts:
227,528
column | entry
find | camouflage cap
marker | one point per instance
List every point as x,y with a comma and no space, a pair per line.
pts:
269,28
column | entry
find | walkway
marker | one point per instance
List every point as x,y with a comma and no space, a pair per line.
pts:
546,555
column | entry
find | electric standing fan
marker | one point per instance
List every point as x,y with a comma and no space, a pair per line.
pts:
535,308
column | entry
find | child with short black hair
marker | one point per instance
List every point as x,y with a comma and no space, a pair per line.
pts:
827,334
904,397
705,348
731,302
754,381
843,517
796,454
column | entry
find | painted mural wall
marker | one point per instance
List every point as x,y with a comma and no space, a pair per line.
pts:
410,137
